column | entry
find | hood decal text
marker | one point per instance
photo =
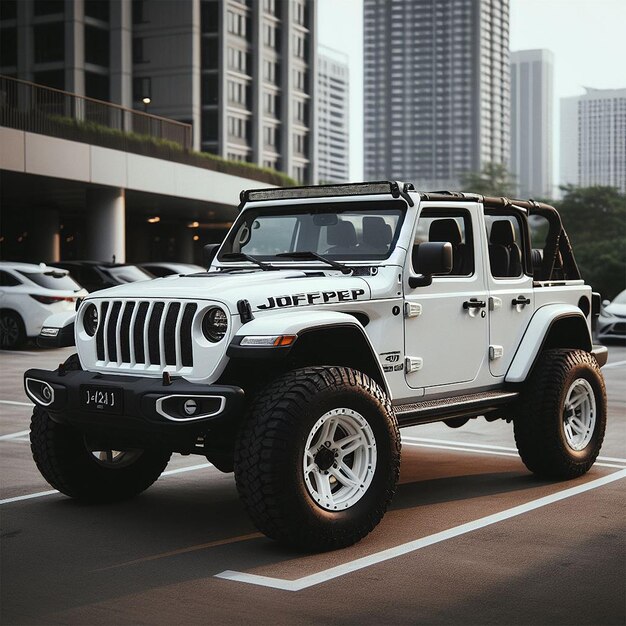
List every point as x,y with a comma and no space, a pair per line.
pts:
313,297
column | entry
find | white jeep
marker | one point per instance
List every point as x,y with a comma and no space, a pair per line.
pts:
329,317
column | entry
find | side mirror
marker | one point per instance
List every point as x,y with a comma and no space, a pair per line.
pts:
208,253
432,257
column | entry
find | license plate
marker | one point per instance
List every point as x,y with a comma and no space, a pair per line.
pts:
105,399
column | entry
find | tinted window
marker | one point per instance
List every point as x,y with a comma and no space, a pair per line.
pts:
49,42
96,45
453,226
159,271
52,280
127,273
8,280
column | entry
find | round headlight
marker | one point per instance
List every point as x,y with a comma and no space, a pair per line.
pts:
215,324
90,319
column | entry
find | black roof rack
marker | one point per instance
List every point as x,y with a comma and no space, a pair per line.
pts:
325,191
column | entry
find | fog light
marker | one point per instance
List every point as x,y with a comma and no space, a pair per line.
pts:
39,391
190,406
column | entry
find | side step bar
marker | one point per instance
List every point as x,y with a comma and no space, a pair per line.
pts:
468,405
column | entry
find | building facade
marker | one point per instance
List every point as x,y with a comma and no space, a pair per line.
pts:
333,120
242,72
437,89
593,139
531,122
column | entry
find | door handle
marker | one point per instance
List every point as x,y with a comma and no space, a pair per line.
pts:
520,300
474,303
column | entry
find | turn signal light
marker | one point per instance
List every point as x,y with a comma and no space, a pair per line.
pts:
284,340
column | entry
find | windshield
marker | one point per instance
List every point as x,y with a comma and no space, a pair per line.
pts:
56,279
347,231
128,273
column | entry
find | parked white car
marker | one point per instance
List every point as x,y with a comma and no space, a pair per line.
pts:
29,294
612,319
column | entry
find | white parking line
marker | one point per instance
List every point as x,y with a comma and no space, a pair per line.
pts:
616,364
463,444
15,435
12,402
41,494
391,553
19,353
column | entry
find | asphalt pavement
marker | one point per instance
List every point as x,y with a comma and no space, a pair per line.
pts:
471,538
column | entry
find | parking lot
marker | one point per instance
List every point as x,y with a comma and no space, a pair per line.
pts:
471,538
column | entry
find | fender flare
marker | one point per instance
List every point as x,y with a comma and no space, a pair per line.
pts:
58,331
297,323
535,337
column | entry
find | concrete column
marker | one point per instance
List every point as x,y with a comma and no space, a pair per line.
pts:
45,239
25,52
312,155
106,219
75,46
196,68
257,82
121,53
286,85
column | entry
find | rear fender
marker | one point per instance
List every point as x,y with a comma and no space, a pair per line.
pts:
552,326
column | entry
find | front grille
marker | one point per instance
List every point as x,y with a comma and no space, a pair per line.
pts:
146,333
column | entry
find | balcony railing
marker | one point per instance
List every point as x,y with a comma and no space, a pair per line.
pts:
48,111
43,110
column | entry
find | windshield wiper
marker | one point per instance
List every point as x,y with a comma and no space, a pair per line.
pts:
240,256
310,256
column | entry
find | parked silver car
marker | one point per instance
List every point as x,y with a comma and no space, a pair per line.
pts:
612,319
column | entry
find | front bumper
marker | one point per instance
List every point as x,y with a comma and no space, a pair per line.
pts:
149,408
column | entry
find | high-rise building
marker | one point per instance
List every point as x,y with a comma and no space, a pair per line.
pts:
593,139
241,71
333,117
436,81
531,122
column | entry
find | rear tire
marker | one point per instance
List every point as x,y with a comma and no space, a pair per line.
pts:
559,425
12,331
70,465
317,459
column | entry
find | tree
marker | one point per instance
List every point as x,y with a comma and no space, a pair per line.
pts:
493,180
595,221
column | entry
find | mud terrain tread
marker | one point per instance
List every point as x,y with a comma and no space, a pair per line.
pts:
269,432
536,424
63,460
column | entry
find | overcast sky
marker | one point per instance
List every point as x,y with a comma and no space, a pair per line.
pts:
587,37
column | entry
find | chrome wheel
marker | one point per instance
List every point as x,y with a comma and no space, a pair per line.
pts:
339,459
579,414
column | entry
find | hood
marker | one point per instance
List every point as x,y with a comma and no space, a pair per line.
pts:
263,290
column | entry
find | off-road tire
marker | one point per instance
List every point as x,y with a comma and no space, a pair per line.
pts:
64,460
539,418
12,330
270,449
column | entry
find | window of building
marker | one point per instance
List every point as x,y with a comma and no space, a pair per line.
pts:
300,111
270,35
299,46
97,86
299,143
270,71
209,125
138,50
237,127
96,45
299,12
142,88
50,78
299,173
48,7
270,136
8,11
8,47
270,104
236,23
237,92
210,53
210,89
269,6
454,226
237,60
49,42
98,9
138,9
210,16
